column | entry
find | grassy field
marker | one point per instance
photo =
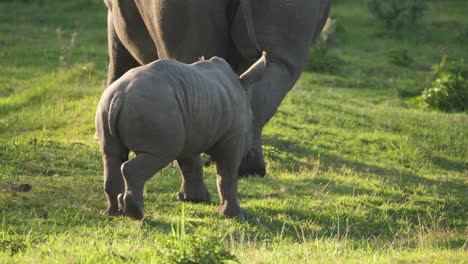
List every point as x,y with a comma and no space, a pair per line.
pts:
356,172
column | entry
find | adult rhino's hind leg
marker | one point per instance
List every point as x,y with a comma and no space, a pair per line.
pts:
136,172
120,59
193,188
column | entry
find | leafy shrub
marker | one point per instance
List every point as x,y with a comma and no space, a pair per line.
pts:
67,47
195,249
10,244
395,14
463,34
320,59
188,249
400,57
449,91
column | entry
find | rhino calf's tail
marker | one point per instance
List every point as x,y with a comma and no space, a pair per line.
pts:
114,109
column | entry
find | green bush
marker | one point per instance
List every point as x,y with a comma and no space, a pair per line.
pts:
320,60
195,249
400,57
190,249
11,244
463,34
449,91
395,14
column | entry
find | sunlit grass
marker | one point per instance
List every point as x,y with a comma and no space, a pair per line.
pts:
355,173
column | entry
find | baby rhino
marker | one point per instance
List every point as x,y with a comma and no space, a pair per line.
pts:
167,111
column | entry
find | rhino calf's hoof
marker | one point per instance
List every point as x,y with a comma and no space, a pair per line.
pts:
194,199
112,212
194,194
129,206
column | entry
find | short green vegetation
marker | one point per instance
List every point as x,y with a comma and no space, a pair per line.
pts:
358,171
449,91
396,14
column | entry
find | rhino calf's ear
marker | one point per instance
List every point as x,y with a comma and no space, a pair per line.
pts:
255,72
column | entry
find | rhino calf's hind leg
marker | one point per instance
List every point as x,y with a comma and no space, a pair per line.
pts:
113,181
193,188
136,172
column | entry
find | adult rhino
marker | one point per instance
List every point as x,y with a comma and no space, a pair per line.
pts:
141,31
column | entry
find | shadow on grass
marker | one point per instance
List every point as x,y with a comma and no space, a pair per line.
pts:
296,220
449,165
6,109
165,226
379,213
49,158
398,177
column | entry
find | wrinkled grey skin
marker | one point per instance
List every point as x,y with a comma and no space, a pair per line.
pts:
141,31
168,110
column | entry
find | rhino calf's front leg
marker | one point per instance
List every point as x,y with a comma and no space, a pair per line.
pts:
227,166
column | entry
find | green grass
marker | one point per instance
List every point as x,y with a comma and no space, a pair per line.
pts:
356,173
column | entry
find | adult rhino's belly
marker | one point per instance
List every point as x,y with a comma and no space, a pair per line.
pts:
186,32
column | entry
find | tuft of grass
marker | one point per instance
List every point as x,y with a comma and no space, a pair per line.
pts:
194,248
